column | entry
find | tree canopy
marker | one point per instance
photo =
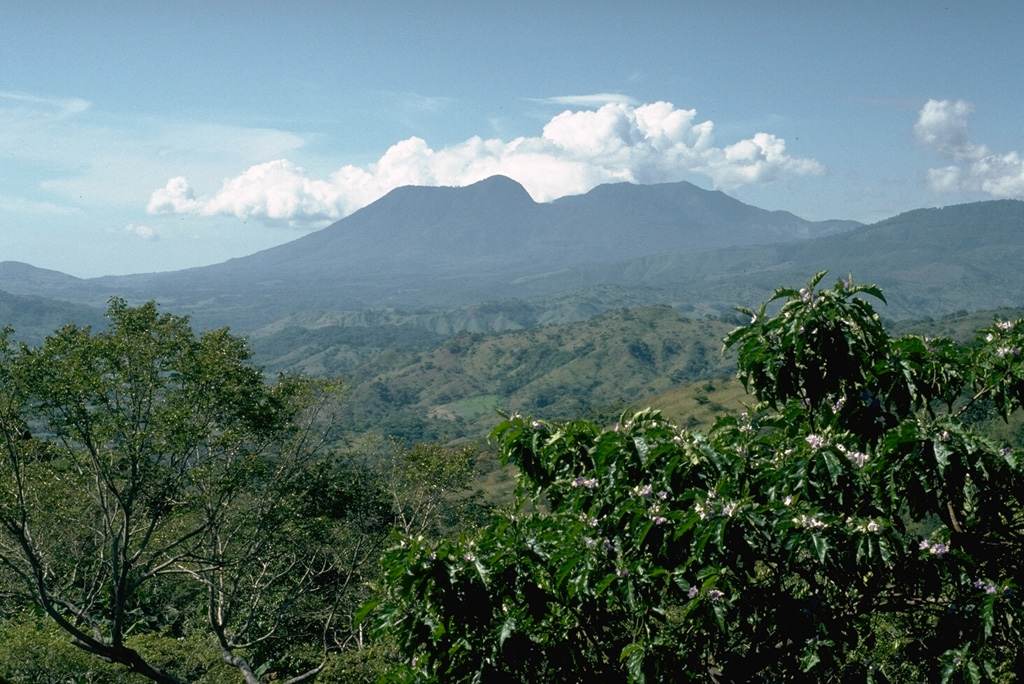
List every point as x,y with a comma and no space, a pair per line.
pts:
853,525
146,458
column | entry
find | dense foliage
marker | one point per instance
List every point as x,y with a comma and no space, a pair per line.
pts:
852,526
154,485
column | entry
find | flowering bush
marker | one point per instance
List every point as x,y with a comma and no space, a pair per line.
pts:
850,527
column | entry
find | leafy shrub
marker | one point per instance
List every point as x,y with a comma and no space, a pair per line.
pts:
850,527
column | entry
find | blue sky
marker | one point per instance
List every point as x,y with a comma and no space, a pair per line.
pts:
145,136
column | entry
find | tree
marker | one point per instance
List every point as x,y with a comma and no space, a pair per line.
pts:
145,466
852,526
429,486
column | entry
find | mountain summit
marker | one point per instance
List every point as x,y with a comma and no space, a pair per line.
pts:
495,225
446,246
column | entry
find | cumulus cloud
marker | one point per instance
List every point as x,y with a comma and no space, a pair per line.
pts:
942,126
144,232
576,150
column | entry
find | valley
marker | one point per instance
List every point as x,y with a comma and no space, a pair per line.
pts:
442,306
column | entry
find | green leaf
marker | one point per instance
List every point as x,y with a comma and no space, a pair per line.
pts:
604,583
820,546
642,449
808,659
973,672
834,465
634,655
718,609
942,453
366,609
988,613
508,628
884,550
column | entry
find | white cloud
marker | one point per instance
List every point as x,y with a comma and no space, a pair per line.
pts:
38,107
409,101
144,232
73,153
942,126
595,100
30,207
575,151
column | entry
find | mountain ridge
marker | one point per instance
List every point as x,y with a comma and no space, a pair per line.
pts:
442,246
422,251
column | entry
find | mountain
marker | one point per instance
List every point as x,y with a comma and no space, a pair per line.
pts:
429,247
487,257
32,317
929,262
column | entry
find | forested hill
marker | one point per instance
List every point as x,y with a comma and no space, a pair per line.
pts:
33,317
452,390
430,247
930,262
451,259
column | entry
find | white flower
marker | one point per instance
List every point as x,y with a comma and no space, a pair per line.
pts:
810,521
815,441
989,587
857,458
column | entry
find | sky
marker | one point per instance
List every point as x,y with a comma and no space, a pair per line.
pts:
154,136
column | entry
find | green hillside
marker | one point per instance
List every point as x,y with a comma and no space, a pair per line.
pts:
594,368
421,385
33,317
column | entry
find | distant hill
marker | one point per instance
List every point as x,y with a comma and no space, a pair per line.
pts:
597,368
488,258
626,358
429,247
929,262
33,317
